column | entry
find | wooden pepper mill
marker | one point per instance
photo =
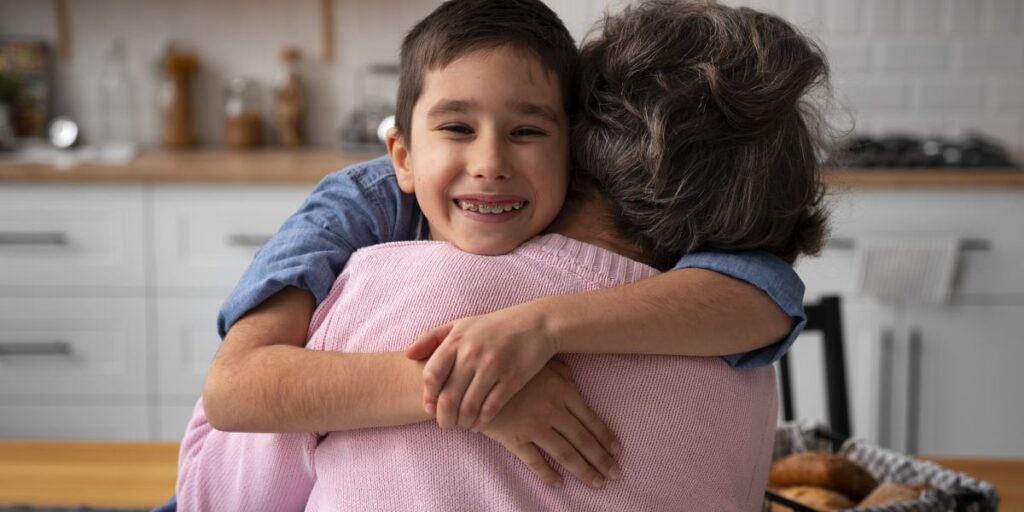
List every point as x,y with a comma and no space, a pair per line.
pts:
290,101
179,67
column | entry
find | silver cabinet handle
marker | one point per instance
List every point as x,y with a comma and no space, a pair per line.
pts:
44,238
885,377
25,348
967,244
244,240
913,391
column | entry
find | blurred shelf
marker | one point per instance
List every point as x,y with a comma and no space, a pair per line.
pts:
309,165
211,166
920,178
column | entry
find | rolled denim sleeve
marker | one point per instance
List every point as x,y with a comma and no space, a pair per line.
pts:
772,276
350,209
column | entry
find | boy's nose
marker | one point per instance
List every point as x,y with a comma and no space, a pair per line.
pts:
489,161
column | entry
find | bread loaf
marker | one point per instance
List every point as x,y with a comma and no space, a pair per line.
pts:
817,498
822,470
890,492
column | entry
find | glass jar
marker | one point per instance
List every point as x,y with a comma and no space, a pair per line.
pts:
243,124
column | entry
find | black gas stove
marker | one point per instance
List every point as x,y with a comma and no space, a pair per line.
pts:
910,151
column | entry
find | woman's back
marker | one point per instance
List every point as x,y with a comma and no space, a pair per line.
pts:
696,434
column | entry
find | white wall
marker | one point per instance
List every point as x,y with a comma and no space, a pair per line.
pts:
928,66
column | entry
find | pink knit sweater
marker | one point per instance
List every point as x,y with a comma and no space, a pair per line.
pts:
696,434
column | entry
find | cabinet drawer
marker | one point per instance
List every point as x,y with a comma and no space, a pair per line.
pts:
206,236
173,420
72,346
186,341
71,236
992,217
91,421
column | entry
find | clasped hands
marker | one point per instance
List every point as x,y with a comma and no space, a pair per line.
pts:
496,374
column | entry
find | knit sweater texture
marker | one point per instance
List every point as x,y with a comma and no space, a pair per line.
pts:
696,434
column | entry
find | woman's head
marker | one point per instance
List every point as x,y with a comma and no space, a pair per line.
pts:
694,120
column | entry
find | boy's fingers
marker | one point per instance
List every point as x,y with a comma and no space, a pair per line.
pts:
531,456
450,399
564,453
594,424
561,369
435,373
493,404
473,400
427,343
587,445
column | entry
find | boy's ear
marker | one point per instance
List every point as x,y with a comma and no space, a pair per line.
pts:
399,153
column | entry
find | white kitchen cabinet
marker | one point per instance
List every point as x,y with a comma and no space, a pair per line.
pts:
109,297
186,340
992,218
865,325
73,346
57,236
971,383
172,420
206,236
86,420
964,400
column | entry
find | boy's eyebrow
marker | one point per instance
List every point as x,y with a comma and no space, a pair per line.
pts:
534,109
522,107
449,107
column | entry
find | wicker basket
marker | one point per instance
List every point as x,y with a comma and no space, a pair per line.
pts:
951,491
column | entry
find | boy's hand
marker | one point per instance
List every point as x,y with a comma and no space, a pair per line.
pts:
478,363
550,414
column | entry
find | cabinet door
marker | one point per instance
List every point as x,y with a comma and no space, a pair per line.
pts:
186,340
62,346
205,237
869,390
990,217
59,236
971,401
91,420
173,418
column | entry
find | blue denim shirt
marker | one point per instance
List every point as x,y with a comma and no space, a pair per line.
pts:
362,205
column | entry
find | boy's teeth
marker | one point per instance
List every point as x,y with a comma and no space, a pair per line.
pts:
489,207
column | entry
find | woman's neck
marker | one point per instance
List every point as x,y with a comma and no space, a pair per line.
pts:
591,220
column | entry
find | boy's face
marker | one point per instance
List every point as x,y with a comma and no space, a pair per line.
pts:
491,157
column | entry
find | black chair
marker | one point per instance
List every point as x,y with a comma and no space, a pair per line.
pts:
825,316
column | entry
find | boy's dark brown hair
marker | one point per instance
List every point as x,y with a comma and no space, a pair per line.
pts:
458,27
695,121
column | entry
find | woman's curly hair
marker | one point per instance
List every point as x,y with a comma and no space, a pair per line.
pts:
695,119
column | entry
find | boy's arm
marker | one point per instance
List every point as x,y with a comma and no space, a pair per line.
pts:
262,380
697,310
260,370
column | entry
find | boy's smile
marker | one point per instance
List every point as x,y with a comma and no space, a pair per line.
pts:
491,157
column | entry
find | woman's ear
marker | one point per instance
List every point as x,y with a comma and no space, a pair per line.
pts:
399,153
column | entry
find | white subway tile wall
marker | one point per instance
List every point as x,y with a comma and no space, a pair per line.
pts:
942,67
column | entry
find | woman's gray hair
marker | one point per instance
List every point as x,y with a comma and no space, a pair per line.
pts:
695,122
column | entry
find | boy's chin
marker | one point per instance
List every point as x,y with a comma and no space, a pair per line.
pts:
487,247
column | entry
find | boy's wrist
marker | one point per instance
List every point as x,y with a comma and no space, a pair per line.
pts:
549,324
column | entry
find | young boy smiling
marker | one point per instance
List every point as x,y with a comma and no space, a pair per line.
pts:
491,161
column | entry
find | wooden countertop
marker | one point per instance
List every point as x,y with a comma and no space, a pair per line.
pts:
108,474
885,178
303,166
308,166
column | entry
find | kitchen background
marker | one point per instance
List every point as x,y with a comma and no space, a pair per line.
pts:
933,373
940,67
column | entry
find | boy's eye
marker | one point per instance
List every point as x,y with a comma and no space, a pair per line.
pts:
527,132
457,129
